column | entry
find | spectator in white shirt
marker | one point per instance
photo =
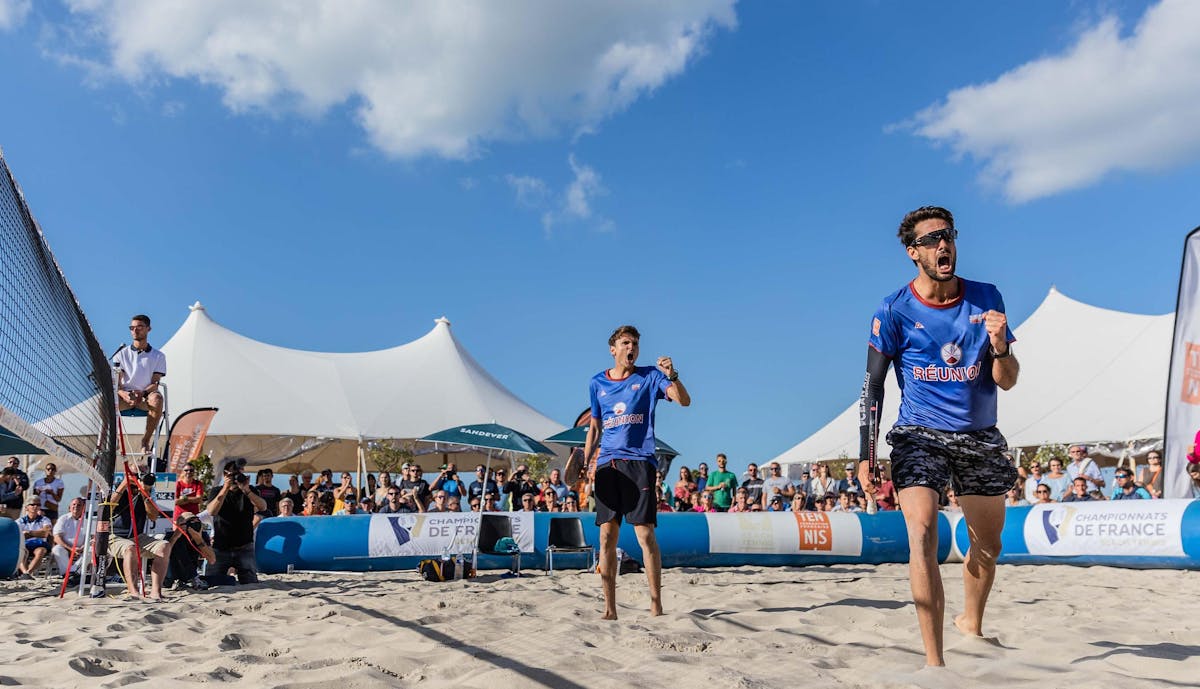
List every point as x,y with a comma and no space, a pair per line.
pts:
1082,465
67,535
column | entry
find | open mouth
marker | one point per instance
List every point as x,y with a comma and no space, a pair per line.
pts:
629,357
943,262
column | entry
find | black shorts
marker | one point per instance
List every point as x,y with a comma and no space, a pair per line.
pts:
625,488
972,462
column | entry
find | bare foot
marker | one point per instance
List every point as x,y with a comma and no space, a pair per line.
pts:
656,609
609,615
960,622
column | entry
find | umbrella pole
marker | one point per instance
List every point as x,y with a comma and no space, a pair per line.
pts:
487,470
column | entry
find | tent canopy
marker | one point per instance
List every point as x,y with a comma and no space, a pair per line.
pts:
297,408
1087,375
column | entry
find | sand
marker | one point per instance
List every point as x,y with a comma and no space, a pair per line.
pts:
751,627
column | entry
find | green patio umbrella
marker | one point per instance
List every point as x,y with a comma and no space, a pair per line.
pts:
577,436
489,436
10,444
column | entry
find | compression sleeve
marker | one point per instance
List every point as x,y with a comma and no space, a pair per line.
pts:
872,393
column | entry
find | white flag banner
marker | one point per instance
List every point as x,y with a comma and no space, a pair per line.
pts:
1183,386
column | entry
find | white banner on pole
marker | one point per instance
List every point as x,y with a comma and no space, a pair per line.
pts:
1183,386
431,534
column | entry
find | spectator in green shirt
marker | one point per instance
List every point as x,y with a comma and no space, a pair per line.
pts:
722,483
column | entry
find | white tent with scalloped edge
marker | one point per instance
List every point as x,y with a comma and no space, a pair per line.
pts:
1088,374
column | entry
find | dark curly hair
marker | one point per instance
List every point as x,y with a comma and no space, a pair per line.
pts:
907,232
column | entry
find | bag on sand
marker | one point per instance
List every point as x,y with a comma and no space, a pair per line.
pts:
443,570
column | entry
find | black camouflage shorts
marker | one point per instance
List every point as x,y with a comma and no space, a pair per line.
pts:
973,462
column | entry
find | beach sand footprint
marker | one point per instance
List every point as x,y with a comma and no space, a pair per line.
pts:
91,667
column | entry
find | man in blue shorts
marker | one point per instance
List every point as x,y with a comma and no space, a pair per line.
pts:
950,341
622,429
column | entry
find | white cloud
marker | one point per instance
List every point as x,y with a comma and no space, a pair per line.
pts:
438,78
13,13
574,204
1108,103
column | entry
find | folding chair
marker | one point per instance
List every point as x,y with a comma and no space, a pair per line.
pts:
492,528
566,536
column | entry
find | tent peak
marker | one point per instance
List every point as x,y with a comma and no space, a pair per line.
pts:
197,306
442,321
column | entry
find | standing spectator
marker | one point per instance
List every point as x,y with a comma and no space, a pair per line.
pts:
265,488
520,486
48,491
848,484
753,484
22,477
418,486
481,485
325,481
1057,480
1082,466
385,483
1033,480
885,493
448,481
128,520
502,494
822,484
393,504
702,477
232,506
722,484
372,488
189,492
561,489
345,493
1151,477
66,535
306,481
952,504
1079,491
293,493
684,487
35,528
1126,488
776,484
10,493
184,567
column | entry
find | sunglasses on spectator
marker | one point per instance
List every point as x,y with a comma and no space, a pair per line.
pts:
1122,475
1042,490
934,238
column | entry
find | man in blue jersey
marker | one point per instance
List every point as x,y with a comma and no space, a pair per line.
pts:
622,429
950,341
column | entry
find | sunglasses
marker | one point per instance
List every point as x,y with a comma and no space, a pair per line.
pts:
934,238
1122,475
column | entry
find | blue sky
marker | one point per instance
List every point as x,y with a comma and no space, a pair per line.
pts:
727,177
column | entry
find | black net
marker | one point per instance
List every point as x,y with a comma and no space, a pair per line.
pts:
56,393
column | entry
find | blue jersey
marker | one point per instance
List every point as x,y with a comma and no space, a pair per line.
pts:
625,409
941,356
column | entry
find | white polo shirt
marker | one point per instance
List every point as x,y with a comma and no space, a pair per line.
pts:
67,526
138,368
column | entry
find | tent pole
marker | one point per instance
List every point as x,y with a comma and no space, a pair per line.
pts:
362,468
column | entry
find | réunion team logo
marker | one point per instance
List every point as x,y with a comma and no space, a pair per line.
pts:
619,408
951,353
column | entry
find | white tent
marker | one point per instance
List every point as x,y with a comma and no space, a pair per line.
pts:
1087,375
298,408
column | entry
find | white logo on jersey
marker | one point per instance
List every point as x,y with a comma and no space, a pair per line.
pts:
619,408
635,386
951,353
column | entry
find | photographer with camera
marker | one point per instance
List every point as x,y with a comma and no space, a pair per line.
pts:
520,486
232,506
448,481
185,557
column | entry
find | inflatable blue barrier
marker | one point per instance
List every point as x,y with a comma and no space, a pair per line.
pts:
10,547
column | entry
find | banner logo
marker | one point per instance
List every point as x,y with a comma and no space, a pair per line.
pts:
1054,521
816,533
1190,390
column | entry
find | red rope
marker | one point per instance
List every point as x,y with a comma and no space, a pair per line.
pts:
130,478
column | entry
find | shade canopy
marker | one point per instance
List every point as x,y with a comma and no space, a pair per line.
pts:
291,408
11,444
577,436
488,436
1088,374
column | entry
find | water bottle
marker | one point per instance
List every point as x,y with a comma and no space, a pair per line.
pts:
620,556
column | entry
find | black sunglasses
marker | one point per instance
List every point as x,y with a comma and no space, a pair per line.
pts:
934,238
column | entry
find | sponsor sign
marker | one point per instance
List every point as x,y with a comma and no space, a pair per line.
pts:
1183,381
785,533
433,534
1120,527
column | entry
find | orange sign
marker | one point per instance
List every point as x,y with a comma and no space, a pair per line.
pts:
815,531
1190,390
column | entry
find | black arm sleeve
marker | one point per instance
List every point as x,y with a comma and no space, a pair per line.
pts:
872,394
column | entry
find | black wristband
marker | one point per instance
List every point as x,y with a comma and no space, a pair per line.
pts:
1007,352
674,376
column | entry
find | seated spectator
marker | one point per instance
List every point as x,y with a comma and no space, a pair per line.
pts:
347,508
491,502
775,504
1015,497
1151,477
741,499
818,505
1033,479
439,502
35,527
1042,495
475,503
706,503
67,535
528,503
756,507
453,503
571,502
327,501
860,499
799,502
183,567
663,505
11,493
1126,488
312,503
1194,473
366,505
952,501
287,508
1079,491
830,501
845,503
